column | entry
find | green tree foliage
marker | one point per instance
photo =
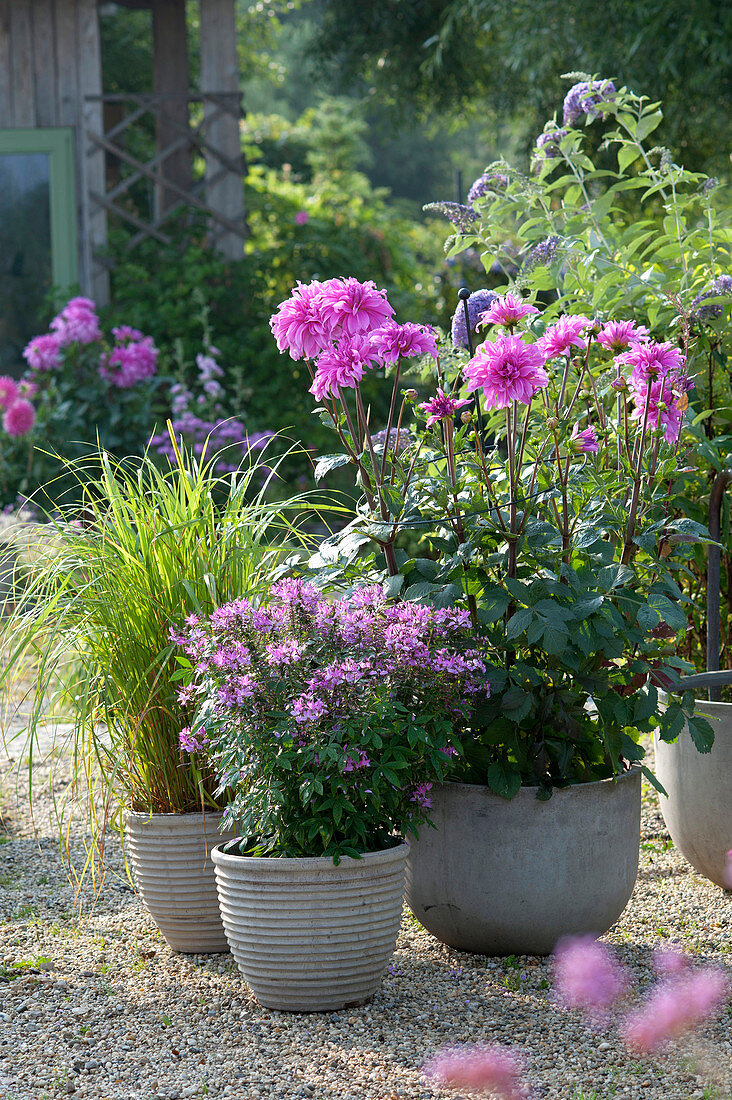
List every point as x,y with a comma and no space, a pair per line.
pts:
478,55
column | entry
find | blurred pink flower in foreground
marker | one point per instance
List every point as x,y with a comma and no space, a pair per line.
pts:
588,976
496,1069
674,1006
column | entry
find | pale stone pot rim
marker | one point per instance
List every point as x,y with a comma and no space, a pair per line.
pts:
189,815
316,863
524,792
705,706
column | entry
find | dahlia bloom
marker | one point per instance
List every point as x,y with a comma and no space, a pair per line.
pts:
8,391
651,361
300,325
342,366
583,442
495,1068
616,336
587,976
351,307
675,1006
42,352
478,302
507,311
585,98
441,406
19,417
128,364
663,408
508,370
566,334
77,323
391,342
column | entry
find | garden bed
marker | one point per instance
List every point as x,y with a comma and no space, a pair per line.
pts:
99,1006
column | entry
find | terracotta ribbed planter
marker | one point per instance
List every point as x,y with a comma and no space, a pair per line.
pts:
503,878
698,809
309,936
171,863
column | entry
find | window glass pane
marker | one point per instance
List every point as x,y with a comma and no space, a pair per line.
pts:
25,252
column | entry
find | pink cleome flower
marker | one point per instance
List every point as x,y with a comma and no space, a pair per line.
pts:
585,441
342,366
675,1006
559,339
392,341
507,370
43,352
494,1068
8,391
587,976
441,406
19,417
507,311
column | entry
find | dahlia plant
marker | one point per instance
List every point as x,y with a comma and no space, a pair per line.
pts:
329,720
542,503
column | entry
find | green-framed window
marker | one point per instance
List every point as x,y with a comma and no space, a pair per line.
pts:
38,235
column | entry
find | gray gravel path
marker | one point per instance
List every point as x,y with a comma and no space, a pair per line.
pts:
99,1006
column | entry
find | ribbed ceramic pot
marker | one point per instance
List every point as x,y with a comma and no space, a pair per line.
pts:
511,878
171,863
698,806
310,936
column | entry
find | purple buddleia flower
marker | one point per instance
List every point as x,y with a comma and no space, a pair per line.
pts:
721,287
462,217
541,255
488,183
547,144
584,99
478,302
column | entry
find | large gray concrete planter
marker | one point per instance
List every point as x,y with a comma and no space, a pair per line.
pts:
172,869
698,809
499,878
309,936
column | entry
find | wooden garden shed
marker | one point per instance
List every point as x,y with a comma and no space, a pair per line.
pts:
72,162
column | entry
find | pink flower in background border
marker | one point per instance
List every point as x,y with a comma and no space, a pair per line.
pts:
43,352
19,417
8,391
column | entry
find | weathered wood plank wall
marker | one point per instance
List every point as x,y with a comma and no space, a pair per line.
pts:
50,59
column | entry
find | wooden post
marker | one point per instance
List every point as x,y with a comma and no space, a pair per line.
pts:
171,78
220,73
95,277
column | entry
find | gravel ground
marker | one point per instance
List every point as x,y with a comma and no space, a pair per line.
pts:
99,1006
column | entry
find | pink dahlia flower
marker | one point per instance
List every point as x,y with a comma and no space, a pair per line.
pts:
351,307
651,361
562,337
302,217
663,410
42,353
77,323
618,335
674,1007
496,1069
131,363
342,366
507,311
585,441
587,976
392,341
441,406
300,325
27,389
19,417
8,391
508,370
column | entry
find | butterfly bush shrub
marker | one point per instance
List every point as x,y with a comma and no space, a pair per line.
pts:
609,224
328,719
539,479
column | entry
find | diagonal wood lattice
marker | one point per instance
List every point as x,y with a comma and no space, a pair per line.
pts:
150,219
